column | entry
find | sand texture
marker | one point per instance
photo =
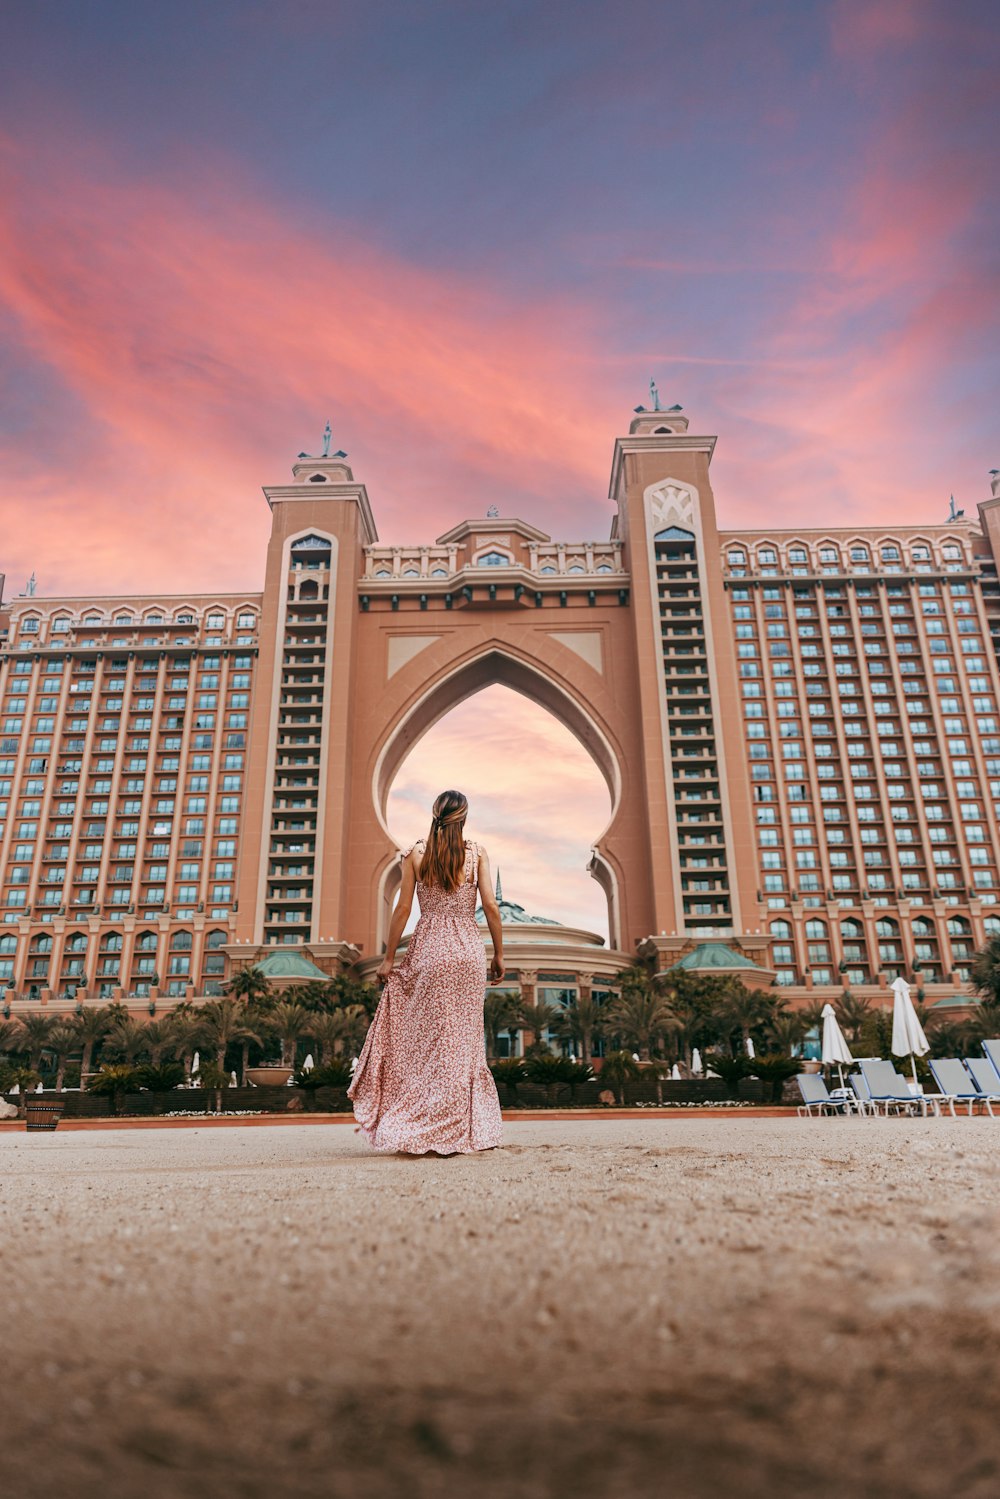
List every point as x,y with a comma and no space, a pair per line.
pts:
681,1308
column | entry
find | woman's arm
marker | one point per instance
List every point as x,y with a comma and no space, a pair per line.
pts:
492,913
400,916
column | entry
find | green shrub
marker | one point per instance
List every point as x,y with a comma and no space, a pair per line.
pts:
619,1068
774,1069
730,1068
162,1078
510,1071
333,1074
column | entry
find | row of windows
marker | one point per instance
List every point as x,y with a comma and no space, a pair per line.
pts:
29,624
831,555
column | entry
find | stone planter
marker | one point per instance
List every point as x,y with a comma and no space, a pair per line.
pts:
269,1077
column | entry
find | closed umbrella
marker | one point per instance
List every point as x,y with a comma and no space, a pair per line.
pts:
750,1051
908,1039
835,1049
695,1060
675,1073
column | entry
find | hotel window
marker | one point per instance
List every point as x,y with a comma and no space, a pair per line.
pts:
736,559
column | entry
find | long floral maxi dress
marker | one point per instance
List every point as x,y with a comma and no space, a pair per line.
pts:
422,1083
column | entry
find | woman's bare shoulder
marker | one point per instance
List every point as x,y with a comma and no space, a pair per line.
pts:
415,849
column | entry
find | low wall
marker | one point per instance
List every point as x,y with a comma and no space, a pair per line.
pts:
78,1105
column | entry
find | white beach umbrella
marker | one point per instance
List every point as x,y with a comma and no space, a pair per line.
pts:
908,1039
695,1060
308,1064
675,1073
232,1080
750,1051
835,1049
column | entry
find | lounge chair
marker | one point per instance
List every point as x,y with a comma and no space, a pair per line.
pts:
862,1096
888,1090
955,1084
992,1050
984,1074
816,1095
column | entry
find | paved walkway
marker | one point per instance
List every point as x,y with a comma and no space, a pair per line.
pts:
603,1309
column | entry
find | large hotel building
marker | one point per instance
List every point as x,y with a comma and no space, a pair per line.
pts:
799,730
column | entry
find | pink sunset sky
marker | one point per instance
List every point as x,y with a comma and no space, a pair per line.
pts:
469,236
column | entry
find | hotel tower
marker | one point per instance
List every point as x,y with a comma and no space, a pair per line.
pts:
799,730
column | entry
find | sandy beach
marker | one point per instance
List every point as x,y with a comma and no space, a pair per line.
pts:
682,1307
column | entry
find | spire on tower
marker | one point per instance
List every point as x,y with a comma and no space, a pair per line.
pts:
499,887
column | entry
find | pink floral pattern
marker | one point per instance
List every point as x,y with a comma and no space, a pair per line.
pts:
422,1083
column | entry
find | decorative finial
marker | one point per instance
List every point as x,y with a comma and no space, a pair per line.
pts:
327,435
493,513
29,587
499,887
654,395
954,514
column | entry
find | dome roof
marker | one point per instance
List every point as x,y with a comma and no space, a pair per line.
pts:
289,965
511,914
714,956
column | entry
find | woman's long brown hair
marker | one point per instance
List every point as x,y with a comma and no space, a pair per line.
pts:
444,857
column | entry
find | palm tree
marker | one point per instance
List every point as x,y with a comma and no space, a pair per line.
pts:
9,1036
64,1041
328,1031
91,1028
985,972
539,1017
185,1037
619,1068
852,1012
127,1039
641,1014
250,984
289,1023
221,1023
787,1030
746,1010
158,1036
34,1036
501,1012
581,1022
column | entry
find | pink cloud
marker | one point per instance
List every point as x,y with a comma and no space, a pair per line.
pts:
203,336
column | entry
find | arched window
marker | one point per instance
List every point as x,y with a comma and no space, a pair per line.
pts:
782,930
493,559
41,944
76,942
859,554
546,569
216,939
307,590
816,930
411,572
767,556
111,942
887,927
959,927
736,559
992,926
604,568
439,572
8,944
852,929
147,942
181,942
922,927
576,568
798,556
383,573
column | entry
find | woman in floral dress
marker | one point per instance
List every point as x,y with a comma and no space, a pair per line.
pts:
422,1083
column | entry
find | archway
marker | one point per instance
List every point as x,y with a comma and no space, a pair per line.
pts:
497,667
538,801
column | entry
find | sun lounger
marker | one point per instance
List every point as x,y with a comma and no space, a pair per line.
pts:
984,1074
817,1096
955,1084
888,1090
992,1050
862,1096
